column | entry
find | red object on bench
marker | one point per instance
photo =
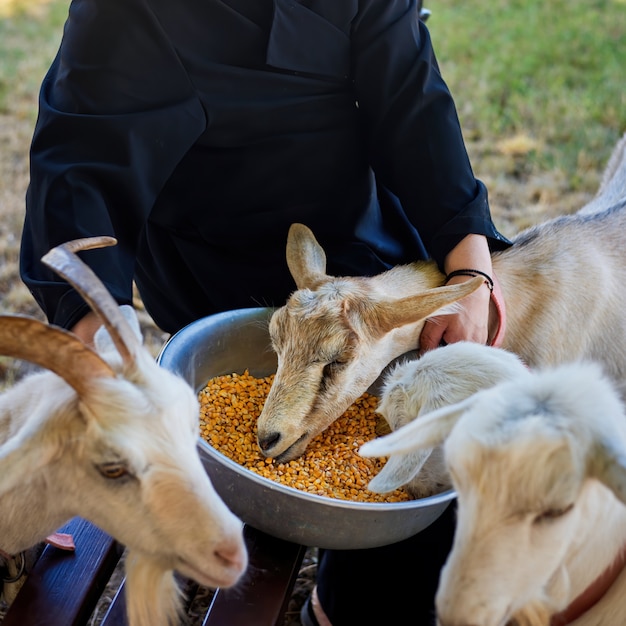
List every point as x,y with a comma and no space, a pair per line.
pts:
64,587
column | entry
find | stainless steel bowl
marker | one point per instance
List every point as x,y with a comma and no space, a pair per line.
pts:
238,340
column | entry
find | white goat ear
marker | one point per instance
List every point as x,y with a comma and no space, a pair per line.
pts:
398,470
427,431
305,257
102,338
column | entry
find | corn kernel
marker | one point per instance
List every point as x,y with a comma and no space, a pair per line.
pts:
331,466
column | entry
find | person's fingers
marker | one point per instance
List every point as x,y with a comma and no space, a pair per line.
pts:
432,335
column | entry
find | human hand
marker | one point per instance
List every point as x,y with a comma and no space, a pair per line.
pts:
471,323
86,328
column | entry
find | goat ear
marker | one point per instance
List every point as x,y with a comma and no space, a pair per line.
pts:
427,431
305,257
398,470
607,463
102,339
395,313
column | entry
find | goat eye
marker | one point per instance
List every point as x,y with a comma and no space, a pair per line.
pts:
552,514
332,367
113,470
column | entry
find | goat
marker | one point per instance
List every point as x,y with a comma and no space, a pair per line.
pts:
412,388
539,467
562,287
110,436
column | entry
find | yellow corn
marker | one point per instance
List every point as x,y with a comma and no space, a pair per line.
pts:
331,466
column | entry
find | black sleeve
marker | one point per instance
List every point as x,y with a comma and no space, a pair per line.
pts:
415,140
116,114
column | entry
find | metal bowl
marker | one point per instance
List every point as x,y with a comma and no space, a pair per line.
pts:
234,341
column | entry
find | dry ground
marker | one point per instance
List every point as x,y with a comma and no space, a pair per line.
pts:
520,196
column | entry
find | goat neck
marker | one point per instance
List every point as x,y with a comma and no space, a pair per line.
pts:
586,601
563,282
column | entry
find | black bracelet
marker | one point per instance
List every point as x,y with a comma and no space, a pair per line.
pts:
488,279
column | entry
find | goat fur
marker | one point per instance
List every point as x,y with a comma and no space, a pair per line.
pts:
539,466
563,288
118,448
415,387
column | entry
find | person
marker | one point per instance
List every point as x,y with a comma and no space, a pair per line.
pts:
196,132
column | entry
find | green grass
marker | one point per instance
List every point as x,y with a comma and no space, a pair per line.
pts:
550,70
553,70
30,32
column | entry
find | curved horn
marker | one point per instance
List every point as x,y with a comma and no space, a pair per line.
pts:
53,348
65,262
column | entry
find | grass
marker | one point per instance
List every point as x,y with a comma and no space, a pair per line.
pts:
30,31
552,71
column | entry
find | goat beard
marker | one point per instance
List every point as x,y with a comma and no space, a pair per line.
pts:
153,596
534,614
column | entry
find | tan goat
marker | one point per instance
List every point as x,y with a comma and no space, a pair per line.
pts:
563,292
110,436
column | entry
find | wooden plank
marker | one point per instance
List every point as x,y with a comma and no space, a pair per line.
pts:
63,587
116,614
262,596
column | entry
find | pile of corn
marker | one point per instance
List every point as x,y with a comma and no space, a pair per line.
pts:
331,466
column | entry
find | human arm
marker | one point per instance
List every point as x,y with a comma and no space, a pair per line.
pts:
419,154
414,136
117,112
471,322
86,328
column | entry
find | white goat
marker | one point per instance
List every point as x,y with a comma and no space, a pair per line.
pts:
539,467
563,290
412,388
112,438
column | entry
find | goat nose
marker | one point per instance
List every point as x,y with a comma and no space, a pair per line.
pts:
267,442
232,554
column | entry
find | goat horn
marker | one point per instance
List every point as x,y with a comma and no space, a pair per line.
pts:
53,348
65,262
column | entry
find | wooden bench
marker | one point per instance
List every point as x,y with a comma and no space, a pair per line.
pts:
63,588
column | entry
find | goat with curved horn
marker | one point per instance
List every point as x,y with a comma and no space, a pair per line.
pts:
113,441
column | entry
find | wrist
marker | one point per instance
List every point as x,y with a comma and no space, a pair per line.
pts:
470,273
